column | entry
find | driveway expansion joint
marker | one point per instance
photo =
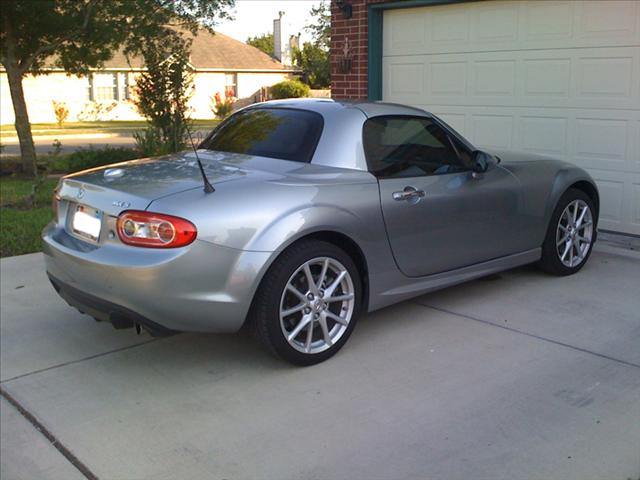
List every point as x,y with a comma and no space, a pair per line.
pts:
531,335
79,360
66,453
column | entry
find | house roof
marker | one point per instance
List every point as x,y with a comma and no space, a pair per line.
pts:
217,51
214,51
210,52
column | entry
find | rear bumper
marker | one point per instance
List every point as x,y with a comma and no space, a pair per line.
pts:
105,311
200,288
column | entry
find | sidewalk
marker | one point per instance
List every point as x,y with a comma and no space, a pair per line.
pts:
70,143
73,142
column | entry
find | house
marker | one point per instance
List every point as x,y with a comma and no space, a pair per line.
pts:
220,64
557,78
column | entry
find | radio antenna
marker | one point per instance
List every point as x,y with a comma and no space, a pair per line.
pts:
208,188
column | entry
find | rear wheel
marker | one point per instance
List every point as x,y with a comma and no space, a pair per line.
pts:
570,234
308,303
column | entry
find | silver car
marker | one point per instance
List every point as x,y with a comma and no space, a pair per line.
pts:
293,217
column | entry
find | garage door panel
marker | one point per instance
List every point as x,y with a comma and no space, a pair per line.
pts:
447,78
636,207
515,25
495,22
580,78
635,145
493,131
612,196
608,20
404,80
619,199
602,139
449,27
546,77
405,32
604,76
548,21
597,139
544,135
494,78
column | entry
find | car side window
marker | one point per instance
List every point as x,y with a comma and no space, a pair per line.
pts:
405,146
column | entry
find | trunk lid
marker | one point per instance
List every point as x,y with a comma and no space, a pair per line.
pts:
135,184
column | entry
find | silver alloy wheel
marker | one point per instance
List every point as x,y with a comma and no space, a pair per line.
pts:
574,233
317,305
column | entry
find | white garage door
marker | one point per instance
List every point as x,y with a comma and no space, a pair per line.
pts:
550,77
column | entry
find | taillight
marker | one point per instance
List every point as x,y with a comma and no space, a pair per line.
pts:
155,230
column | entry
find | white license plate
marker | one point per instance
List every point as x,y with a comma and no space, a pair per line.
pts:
87,222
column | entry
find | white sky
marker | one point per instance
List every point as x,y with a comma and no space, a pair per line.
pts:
255,17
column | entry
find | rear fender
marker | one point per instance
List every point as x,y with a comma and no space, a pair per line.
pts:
292,226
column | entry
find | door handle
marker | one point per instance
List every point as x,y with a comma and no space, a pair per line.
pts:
409,194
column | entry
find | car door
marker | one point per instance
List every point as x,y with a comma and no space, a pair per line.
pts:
439,215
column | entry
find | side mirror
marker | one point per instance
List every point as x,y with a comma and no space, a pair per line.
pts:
480,161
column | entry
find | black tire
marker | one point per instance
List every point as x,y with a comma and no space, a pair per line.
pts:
551,258
265,310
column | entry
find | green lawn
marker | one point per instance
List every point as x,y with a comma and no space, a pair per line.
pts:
20,230
15,192
23,216
113,126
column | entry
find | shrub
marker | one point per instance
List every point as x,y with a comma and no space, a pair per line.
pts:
223,108
94,111
150,143
61,112
162,94
90,158
57,148
289,89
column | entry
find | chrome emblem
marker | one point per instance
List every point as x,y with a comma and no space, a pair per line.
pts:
113,173
80,193
120,204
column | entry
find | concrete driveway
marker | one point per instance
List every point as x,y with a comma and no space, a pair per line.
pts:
516,376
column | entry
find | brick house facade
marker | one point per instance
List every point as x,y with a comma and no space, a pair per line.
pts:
352,85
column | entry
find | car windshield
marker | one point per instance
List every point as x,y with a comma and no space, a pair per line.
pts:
282,133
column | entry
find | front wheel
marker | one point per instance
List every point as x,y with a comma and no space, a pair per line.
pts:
308,303
570,234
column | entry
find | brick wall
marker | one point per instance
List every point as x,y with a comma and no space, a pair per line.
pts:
351,85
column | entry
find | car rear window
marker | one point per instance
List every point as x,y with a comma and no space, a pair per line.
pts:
283,133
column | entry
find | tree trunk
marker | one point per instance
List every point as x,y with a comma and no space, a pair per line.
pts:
23,127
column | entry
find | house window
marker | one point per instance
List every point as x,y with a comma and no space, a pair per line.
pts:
88,88
231,84
123,86
107,87
103,87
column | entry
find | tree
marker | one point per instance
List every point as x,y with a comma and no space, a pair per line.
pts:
320,28
314,57
262,42
78,35
162,94
314,62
